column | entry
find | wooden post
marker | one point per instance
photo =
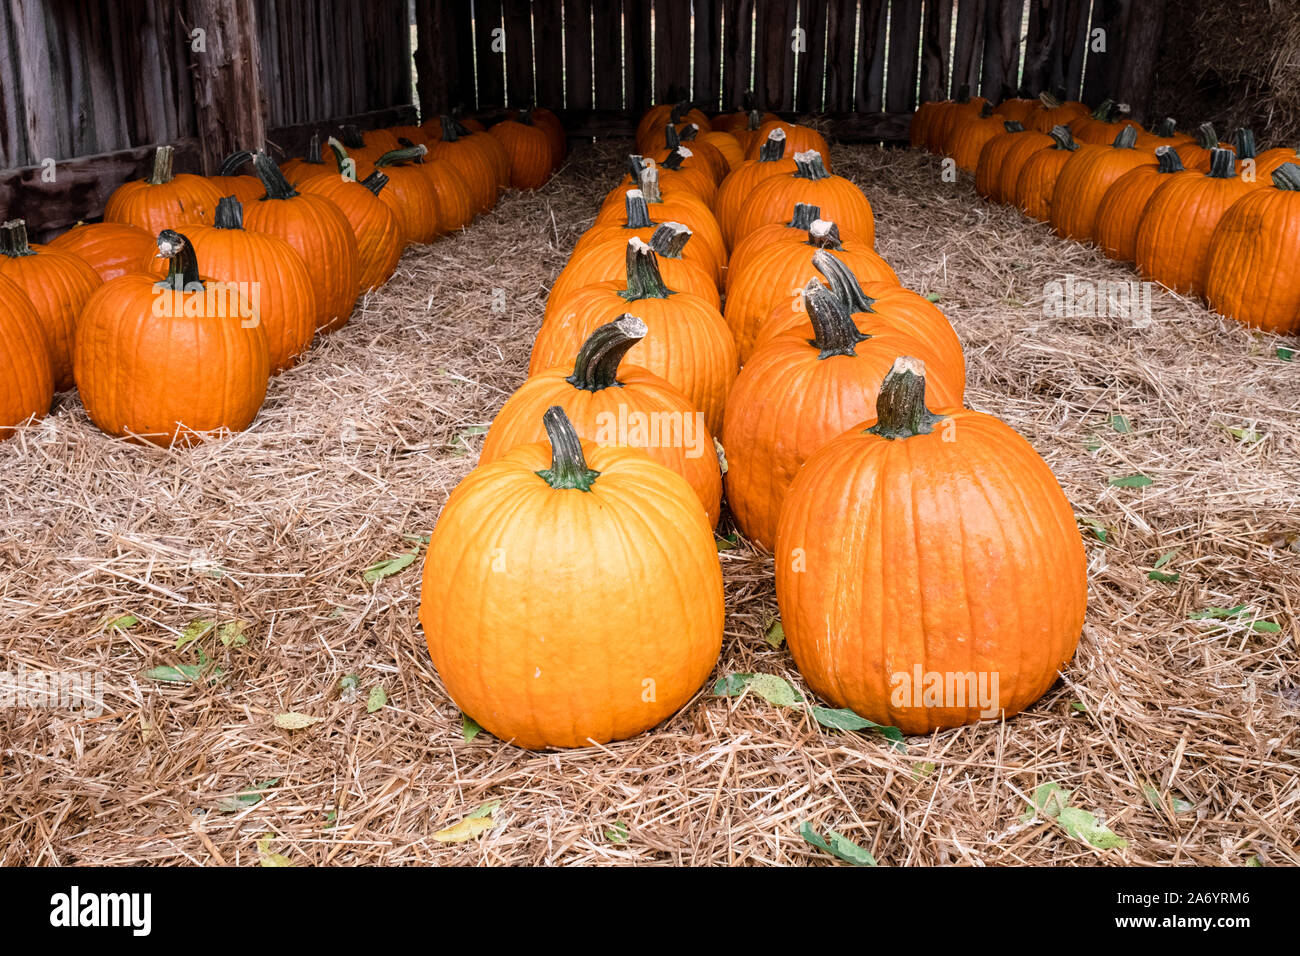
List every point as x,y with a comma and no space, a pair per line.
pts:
229,104
444,60
934,54
1137,68
1105,44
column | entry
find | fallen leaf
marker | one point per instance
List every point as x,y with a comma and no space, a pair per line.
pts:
295,721
469,728
477,823
378,697
837,845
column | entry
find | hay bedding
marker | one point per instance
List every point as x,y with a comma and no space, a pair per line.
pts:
357,449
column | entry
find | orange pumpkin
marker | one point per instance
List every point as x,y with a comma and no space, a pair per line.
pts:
572,593
164,200
970,134
1120,209
649,129
410,194
474,165
614,404
798,139
1084,179
529,148
112,249
164,362
991,165
378,230
1054,113
929,543
1195,154
839,199
26,375
298,171
230,182
802,217
635,221
1036,183
736,188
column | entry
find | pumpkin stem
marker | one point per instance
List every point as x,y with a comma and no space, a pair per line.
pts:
675,159
351,137
1206,137
230,165
688,133
986,110
670,239
449,131
162,166
183,269
804,216
643,278
597,364
1063,138
230,214
568,466
277,187
13,239
1168,159
679,110
749,101
825,235
1102,112
773,147
408,154
649,180
638,213
833,330
635,164
1013,126
1049,101
1127,138
1244,142
1287,177
347,168
375,182
963,93
809,165
313,151
900,406
843,282
526,116
1223,163
754,120
671,139
1166,128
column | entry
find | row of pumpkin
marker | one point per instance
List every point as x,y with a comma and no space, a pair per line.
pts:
572,591
1216,220
172,314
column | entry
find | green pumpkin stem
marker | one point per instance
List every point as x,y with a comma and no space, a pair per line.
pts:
231,164
13,239
900,406
1223,163
1102,112
1206,137
449,132
670,239
986,111
1168,160
843,282
375,182
1127,138
1013,126
638,213
1049,101
277,187
347,168
163,157
1244,142
1062,137
183,266
1287,177
568,469
773,147
804,216
649,180
643,278
833,330
230,213
809,165
597,364
825,235
1166,128
407,154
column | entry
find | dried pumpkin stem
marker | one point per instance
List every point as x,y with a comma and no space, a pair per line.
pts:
638,213
351,137
809,165
843,282
1223,163
1206,137
643,278
1243,140
231,164
230,214
1127,138
1166,128
277,187
824,235
163,157
568,466
773,147
753,120
183,267
833,330
449,132
670,239
649,180
1063,139
13,239
597,364
900,406
375,182
804,215
1168,160
1287,177
1013,126
671,139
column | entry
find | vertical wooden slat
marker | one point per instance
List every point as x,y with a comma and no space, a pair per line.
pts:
520,89
774,65
968,46
1102,67
577,54
1068,67
228,98
936,40
1002,20
548,53
842,32
672,47
869,82
488,65
443,56
904,40
706,83
1141,51
1041,35
810,66
636,53
737,48
607,45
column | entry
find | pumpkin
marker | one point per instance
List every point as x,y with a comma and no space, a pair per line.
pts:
1250,272
165,361
774,272
1054,113
230,182
688,343
1084,179
529,148
366,147
410,194
319,232
57,284
492,150
947,116
1270,160
604,260
164,200
918,129
1196,154
728,147
1173,237
635,221
680,167
555,134
970,134
1100,127
475,166
1164,133
455,200
298,171
1037,180
737,186
795,394
928,543
378,229
992,159
649,129
1120,209
419,135
280,291
26,374
112,249
572,593
798,139
613,404
681,207
703,149
872,303
1018,109
838,198
747,132
801,221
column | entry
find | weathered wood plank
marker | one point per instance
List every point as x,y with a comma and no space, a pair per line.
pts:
904,41
607,48
672,50
1105,49
706,74
229,110
870,82
490,56
1136,77
1067,70
737,52
842,27
935,49
577,54
774,63
520,89
968,46
1000,76
1042,34
810,64
637,39
548,52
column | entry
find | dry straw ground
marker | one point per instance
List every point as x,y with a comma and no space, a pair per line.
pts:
1179,733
